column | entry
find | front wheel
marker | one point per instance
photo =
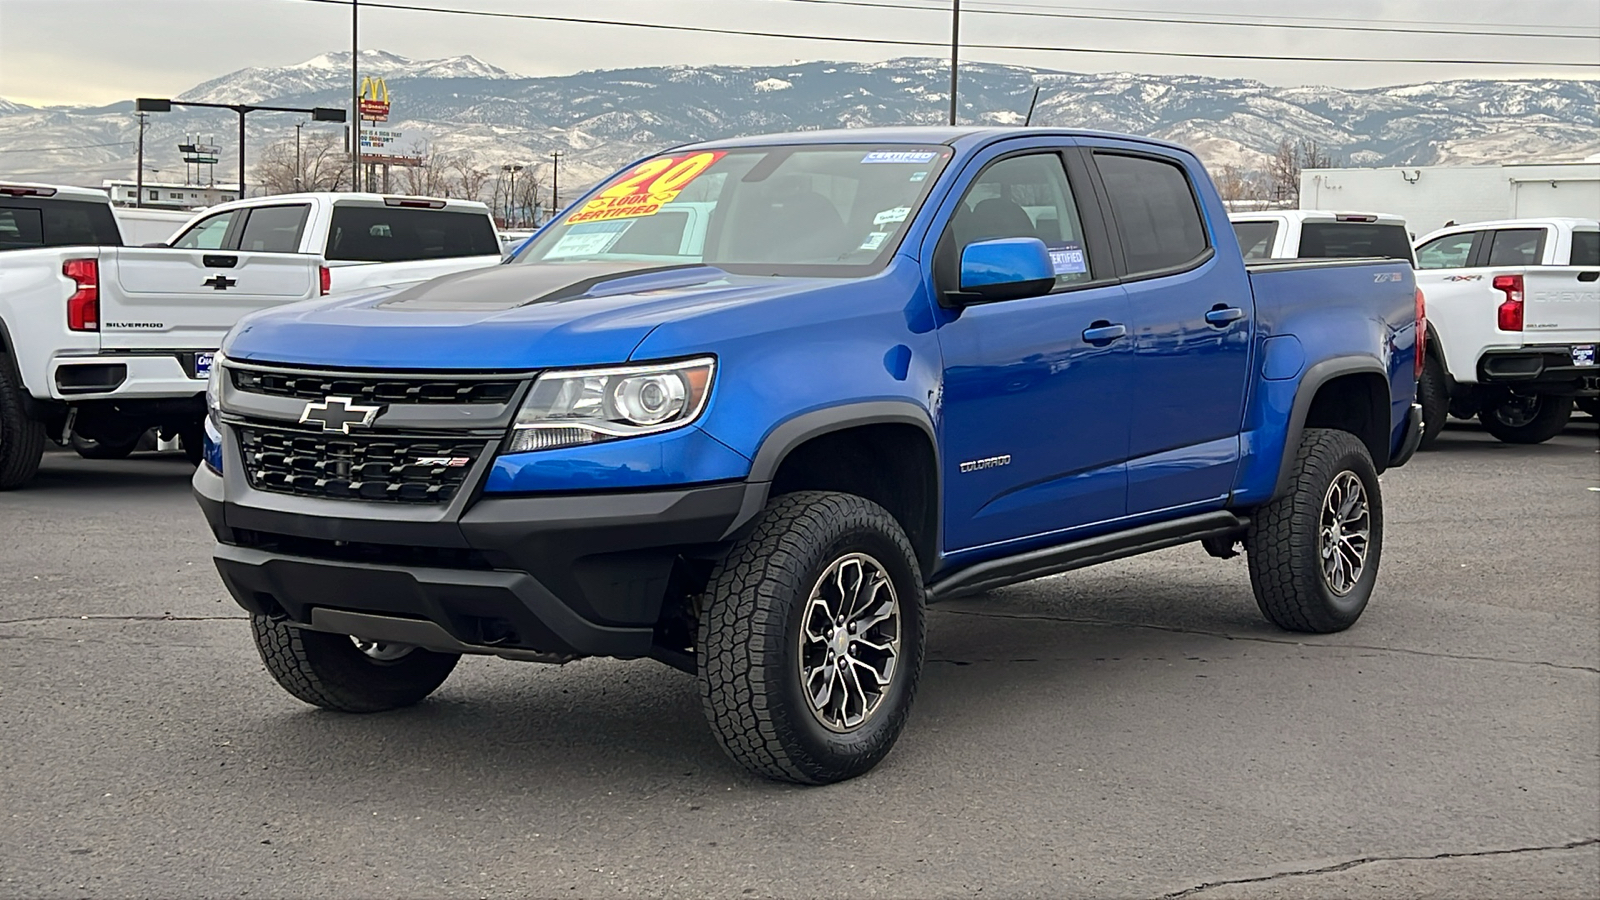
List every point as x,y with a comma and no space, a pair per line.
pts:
1314,552
811,639
1525,418
339,672
105,448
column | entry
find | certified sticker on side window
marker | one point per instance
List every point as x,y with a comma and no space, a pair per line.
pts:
651,185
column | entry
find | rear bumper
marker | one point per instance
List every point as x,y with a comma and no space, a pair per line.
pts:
1410,439
581,575
1544,369
119,376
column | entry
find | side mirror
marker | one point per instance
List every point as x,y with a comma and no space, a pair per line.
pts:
1005,269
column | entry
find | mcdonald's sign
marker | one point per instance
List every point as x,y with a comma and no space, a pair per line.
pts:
374,105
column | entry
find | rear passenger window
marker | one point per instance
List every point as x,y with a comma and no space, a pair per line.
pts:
1586,248
1516,247
1157,217
274,229
1026,196
1255,238
1448,252
21,229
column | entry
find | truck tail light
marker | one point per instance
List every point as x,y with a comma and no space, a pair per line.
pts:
324,279
1422,333
83,307
1510,313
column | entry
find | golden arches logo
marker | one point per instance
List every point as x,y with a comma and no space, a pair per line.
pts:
374,89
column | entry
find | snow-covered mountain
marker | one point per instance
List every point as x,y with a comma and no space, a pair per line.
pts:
600,119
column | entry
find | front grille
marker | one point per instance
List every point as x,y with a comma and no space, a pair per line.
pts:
395,469
374,387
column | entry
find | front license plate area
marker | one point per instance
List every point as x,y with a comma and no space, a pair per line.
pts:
1583,355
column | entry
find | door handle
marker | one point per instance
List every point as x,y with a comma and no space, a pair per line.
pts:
219,262
1224,315
1103,332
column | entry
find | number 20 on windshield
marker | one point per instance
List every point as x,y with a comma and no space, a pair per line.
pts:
651,185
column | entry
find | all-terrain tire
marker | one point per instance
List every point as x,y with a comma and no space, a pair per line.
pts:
1287,538
91,449
1433,392
21,438
756,608
1547,419
330,671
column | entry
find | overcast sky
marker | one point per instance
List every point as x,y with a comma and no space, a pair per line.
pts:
101,51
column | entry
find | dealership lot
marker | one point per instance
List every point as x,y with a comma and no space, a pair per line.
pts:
1130,730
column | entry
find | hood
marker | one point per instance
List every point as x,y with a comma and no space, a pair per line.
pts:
506,317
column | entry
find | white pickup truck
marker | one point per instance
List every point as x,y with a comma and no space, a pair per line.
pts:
106,341
1514,323
1320,234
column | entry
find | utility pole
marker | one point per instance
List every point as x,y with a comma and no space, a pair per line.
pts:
355,97
555,183
138,178
242,192
955,53
297,163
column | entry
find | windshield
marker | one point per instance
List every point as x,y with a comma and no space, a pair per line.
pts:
825,210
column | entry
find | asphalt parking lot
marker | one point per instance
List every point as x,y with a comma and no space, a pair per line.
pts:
1134,730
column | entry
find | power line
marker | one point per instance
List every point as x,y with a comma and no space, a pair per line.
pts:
1273,16
902,42
78,147
1157,18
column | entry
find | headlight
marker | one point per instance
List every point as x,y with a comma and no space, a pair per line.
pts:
214,386
586,406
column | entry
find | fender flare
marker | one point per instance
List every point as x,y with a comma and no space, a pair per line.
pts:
791,433
1311,382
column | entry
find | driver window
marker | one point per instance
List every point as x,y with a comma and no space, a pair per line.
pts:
206,234
1026,196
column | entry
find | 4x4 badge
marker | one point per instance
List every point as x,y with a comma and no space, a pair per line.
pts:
338,414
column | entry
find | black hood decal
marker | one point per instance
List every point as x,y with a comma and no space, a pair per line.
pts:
510,286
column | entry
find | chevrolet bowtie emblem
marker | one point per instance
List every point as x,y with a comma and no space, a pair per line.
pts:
219,282
338,414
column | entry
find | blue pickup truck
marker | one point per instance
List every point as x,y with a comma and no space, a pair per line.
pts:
749,405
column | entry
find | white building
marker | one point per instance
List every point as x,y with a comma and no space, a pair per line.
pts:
163,195
1430,196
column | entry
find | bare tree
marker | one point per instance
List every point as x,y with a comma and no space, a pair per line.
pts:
1288,161
321,166
468,176
1237,185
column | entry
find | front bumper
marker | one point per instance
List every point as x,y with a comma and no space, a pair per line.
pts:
573,575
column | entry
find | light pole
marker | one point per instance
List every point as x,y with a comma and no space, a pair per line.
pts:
139,175
955,53
318,114
555,182
297,163
355,98
511,192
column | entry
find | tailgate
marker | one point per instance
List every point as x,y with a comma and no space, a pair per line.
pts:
160,298
1563,305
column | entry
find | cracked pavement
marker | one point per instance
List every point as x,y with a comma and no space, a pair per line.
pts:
1132,730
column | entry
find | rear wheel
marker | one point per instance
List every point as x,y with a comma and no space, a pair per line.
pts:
21,438
1314,552
1434,395
811,639
339,672
1525,418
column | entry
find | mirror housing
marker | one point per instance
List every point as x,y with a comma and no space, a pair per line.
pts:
1005,269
